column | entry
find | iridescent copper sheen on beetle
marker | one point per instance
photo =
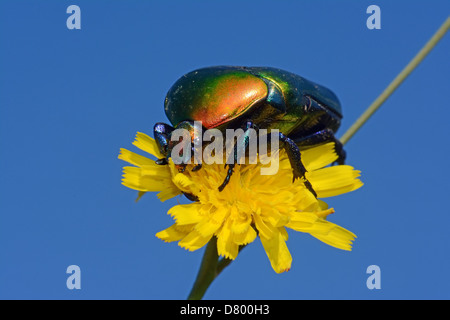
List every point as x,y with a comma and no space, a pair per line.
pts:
213,98
226,97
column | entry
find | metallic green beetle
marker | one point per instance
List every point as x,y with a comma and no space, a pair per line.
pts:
228,97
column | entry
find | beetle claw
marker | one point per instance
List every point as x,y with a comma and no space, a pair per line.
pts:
310,188
308,184
181,167
342,155
162,161
191,197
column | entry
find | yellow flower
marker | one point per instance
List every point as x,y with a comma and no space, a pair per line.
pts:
252,205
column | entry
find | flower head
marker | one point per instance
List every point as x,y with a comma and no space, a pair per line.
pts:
252,205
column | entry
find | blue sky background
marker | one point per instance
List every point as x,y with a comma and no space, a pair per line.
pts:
69,99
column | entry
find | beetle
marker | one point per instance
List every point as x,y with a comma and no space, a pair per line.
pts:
231,97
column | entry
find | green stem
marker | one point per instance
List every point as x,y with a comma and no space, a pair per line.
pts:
223,263
207,271
397,81
210,268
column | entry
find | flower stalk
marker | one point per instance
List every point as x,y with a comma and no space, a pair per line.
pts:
210,268
207,272
397,81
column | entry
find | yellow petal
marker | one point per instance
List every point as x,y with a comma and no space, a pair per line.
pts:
337,237
322,204
325,231
277,252
307,201
275,218
174,232
212,222
302,221
283,233
133,179
245,237
265,230
193,241
240,222
186,213
147,144
134,158
207,227
168,193
226,247
305,221
319,157
156,171
182,181
333,181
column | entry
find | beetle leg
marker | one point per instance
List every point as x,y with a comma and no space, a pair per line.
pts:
230,170
339,148
162,161
232,162
294,156
161,132
182,166
320,137
198,162
227,178
191,197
